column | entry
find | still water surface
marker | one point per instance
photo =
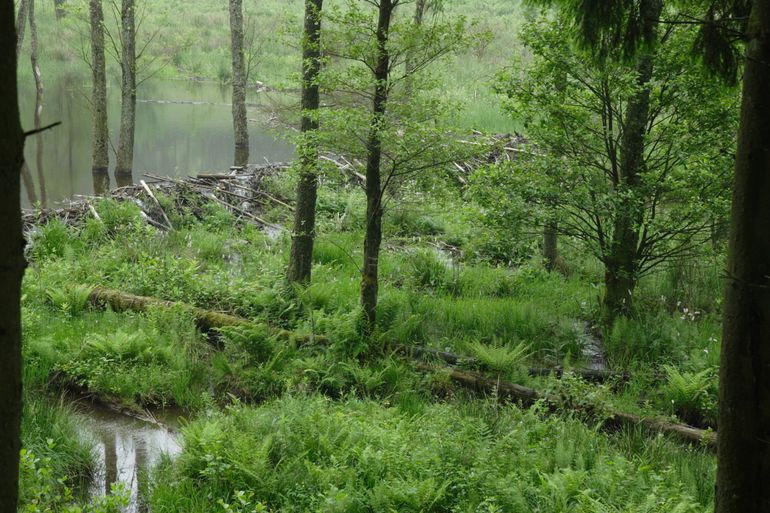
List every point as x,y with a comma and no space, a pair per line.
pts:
182,128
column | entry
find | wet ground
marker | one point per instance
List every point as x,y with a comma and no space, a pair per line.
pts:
127,448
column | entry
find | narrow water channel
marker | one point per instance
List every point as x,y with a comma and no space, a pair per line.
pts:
126,449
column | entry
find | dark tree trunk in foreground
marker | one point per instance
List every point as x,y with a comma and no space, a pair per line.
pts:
39,92
373,237
240,122
744,395
550,245
125,158
303,235
621,262
11,263
21,24
100,157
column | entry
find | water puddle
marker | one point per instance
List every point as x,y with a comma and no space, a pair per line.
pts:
593,349
126,449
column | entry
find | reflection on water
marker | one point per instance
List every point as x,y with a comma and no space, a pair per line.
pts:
182,128
126,449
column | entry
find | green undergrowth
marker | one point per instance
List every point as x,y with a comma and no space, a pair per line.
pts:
310,454
437,290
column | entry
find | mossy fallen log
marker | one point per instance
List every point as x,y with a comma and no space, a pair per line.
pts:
206,320
615,419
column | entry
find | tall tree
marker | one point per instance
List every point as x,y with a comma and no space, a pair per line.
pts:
125,157
373,235
100,158
21,23
39,92
744,395
11,263
396,137
419,14
303,234
240,121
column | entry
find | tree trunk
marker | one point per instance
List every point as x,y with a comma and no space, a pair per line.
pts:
550,245
419,14
39,92
744,395
303,235
59,9
21,24
29,184
11,263
239,84
100,157
125,158
621,265
373,237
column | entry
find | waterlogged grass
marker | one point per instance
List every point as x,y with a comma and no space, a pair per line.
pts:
310,454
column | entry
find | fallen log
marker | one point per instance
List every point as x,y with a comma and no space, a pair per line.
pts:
206,320
528,396
592,375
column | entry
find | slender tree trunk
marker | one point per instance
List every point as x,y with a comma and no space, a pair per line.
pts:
21,24
419,14
621,265
100,157
125,158
550,245
240,122
39,92
29,184
373,237
303,235
11,263
59,9
744,374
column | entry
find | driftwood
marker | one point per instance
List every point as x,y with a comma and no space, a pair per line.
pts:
592,375
206,320
528,396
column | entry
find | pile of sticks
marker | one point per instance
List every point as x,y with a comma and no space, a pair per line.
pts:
243,191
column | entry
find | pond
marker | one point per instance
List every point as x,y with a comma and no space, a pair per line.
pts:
182,128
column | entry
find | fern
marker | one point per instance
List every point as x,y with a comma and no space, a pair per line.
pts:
499,358
70,299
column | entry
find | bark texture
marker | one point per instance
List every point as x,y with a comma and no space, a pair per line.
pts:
550,245
100,157
303,235
125,158
21,24
373,237
240,122
39,94
744,395
621,263
11,262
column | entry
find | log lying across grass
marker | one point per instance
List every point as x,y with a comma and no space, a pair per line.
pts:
528,396
206,320
592,375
